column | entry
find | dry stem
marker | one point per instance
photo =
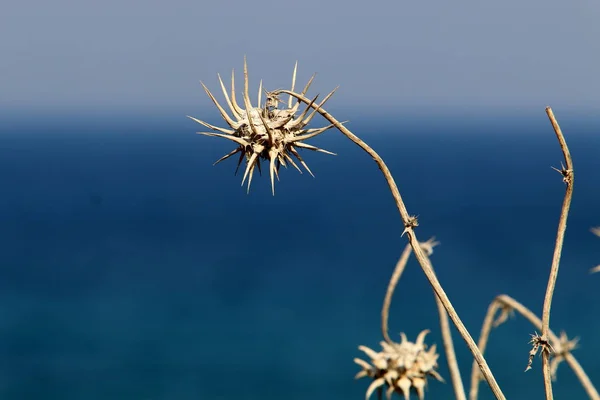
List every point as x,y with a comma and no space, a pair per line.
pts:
457,382
409,223
387,301
568,178
483,339
508,304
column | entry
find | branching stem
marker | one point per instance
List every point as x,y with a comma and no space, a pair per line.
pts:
509,304
409,224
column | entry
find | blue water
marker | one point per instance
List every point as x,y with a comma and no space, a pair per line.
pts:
130,268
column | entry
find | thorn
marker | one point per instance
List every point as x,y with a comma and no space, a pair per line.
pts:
259,93
293,84
226,156
224,114
567,174
246,93
410,224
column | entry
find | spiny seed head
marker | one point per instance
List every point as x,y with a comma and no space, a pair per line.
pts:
400,366
271,131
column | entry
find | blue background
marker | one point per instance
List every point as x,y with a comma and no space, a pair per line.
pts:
133,269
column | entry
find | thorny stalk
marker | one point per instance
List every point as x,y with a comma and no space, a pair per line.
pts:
410,223
457,383
568,178
507,304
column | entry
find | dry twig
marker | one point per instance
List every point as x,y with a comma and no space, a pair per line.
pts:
455,377
568,178
457,383
387,301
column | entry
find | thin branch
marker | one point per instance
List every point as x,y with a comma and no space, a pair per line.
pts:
507,304
409,223
457,383
568,178
486,329
387,301
582,376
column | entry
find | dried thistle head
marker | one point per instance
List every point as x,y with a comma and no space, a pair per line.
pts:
429,245
561,348
268,131
400,366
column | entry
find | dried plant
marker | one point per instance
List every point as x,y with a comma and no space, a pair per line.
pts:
265,132
561,346
410,223
273,131
568,175
428,247
400,366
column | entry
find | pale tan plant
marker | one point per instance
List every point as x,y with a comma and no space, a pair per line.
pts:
568,175
455,376
410,223
268,132
498,312
265,132
401,367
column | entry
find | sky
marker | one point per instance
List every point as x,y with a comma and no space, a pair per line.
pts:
70,56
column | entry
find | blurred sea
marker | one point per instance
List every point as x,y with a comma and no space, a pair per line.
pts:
130,268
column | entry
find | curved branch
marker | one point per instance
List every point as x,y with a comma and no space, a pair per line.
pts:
387,301
568,178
